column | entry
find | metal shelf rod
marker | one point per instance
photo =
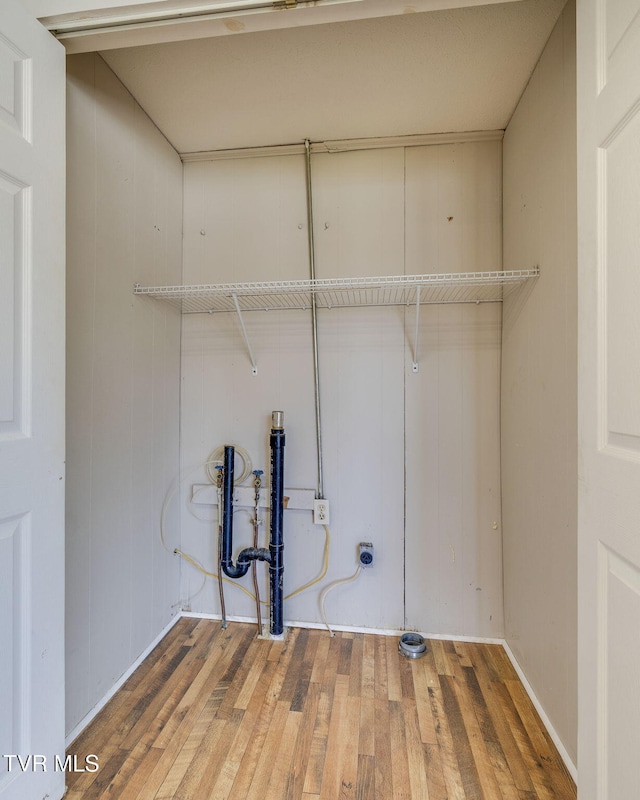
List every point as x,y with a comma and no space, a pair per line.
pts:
414,366
254,366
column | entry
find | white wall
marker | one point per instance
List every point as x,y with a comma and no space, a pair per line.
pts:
377,213
124,225
452,413
539,439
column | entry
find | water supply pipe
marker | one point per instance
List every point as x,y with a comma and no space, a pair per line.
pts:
257,482
249,554
276,543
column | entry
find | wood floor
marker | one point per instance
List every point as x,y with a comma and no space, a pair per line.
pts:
214,714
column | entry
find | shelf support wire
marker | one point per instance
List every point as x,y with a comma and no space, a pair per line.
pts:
254,366
414,366
314,319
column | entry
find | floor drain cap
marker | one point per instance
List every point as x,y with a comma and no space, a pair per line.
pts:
412,645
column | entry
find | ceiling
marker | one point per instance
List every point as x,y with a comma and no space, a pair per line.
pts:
460,69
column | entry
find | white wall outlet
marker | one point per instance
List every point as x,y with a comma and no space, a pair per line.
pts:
365,554
320,511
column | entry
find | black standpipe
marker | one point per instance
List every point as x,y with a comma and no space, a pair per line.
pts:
274,556
276,544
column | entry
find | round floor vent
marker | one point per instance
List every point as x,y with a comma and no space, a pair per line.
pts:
412,645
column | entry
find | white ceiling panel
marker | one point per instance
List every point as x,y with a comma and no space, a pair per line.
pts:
454,70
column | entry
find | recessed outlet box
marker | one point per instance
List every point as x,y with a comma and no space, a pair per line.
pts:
365,554
320,511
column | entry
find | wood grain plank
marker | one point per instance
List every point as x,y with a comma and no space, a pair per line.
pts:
428,666
204,726
366,740
423,679
487,730
381,688
244,738
555,775
486,777
384,756
320,659
503,665
253,757
366,778
484,671
435,773
317,756
133,783
406,677
535,769
315,765
460,738
299,644
485,722
464,658
415,752
344,661
235,675
394,683
355,671
339,776
268,752
446,750
199,706
502,772
440,657
170,687
107,734
400,779
488,664
253,676
302,748
155,719
282,764
177,637
106,775
206,753
100,737
333,657
304,673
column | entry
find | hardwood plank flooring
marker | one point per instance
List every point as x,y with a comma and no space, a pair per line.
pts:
217,714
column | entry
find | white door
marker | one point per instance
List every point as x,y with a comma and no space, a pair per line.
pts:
609,398
32,89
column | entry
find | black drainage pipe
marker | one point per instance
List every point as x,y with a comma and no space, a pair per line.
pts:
276,544
249,554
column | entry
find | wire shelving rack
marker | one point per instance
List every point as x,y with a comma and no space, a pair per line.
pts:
390,290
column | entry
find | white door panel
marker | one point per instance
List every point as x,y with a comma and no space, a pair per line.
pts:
609,397
31,406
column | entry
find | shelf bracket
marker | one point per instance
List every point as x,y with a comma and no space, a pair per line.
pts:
254,366
414,366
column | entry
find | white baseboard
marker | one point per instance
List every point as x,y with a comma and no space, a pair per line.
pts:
571,767
350,628
120,682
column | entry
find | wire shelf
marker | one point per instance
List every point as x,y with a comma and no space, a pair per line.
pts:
394,290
